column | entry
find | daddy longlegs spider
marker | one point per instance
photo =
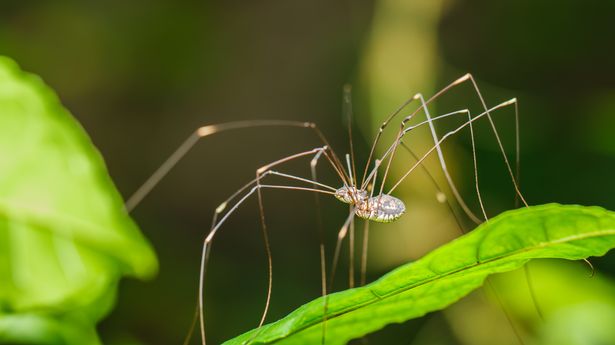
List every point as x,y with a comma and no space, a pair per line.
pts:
382,207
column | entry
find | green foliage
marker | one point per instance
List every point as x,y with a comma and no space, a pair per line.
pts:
448,273
65,238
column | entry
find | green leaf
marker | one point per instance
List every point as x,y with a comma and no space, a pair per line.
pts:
38,329
448,273
65,238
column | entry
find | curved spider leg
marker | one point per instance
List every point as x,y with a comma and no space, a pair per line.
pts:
321,245
218,211
340,237
264,225
446,136
447,175
461,80
347,110
384,124
364,252
208,240
352,171
469,77
461,229
256,186
515,179
440,195
199,313
185,147
366,227
351,237
136,198
404,132
437,144
351,253
499,141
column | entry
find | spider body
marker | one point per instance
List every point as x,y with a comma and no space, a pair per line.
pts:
382,208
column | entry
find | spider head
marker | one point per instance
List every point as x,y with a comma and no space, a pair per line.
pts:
351,195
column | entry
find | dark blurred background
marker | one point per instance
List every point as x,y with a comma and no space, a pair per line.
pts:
142,75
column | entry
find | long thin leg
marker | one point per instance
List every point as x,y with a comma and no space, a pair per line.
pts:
391,150
210,236
185,147
340,237
347,105
405,132
195,318
401,133
264,224
351,254
515,177
321,240
526,267
352,171
440,196
379,134
437,146
364,252
497,136
489,282
263,171
351,239
365,243
261,211
446,136
448,177
439,93
517,153
480,201
224,204
205,131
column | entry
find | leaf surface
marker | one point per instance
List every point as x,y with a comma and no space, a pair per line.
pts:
445,275
65,238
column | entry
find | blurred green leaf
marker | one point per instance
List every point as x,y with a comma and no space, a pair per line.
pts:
34,328
448,273
559,287
580,324
65,238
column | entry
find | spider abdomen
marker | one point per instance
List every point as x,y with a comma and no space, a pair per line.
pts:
381,208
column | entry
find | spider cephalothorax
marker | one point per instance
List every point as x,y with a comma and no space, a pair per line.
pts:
351,195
